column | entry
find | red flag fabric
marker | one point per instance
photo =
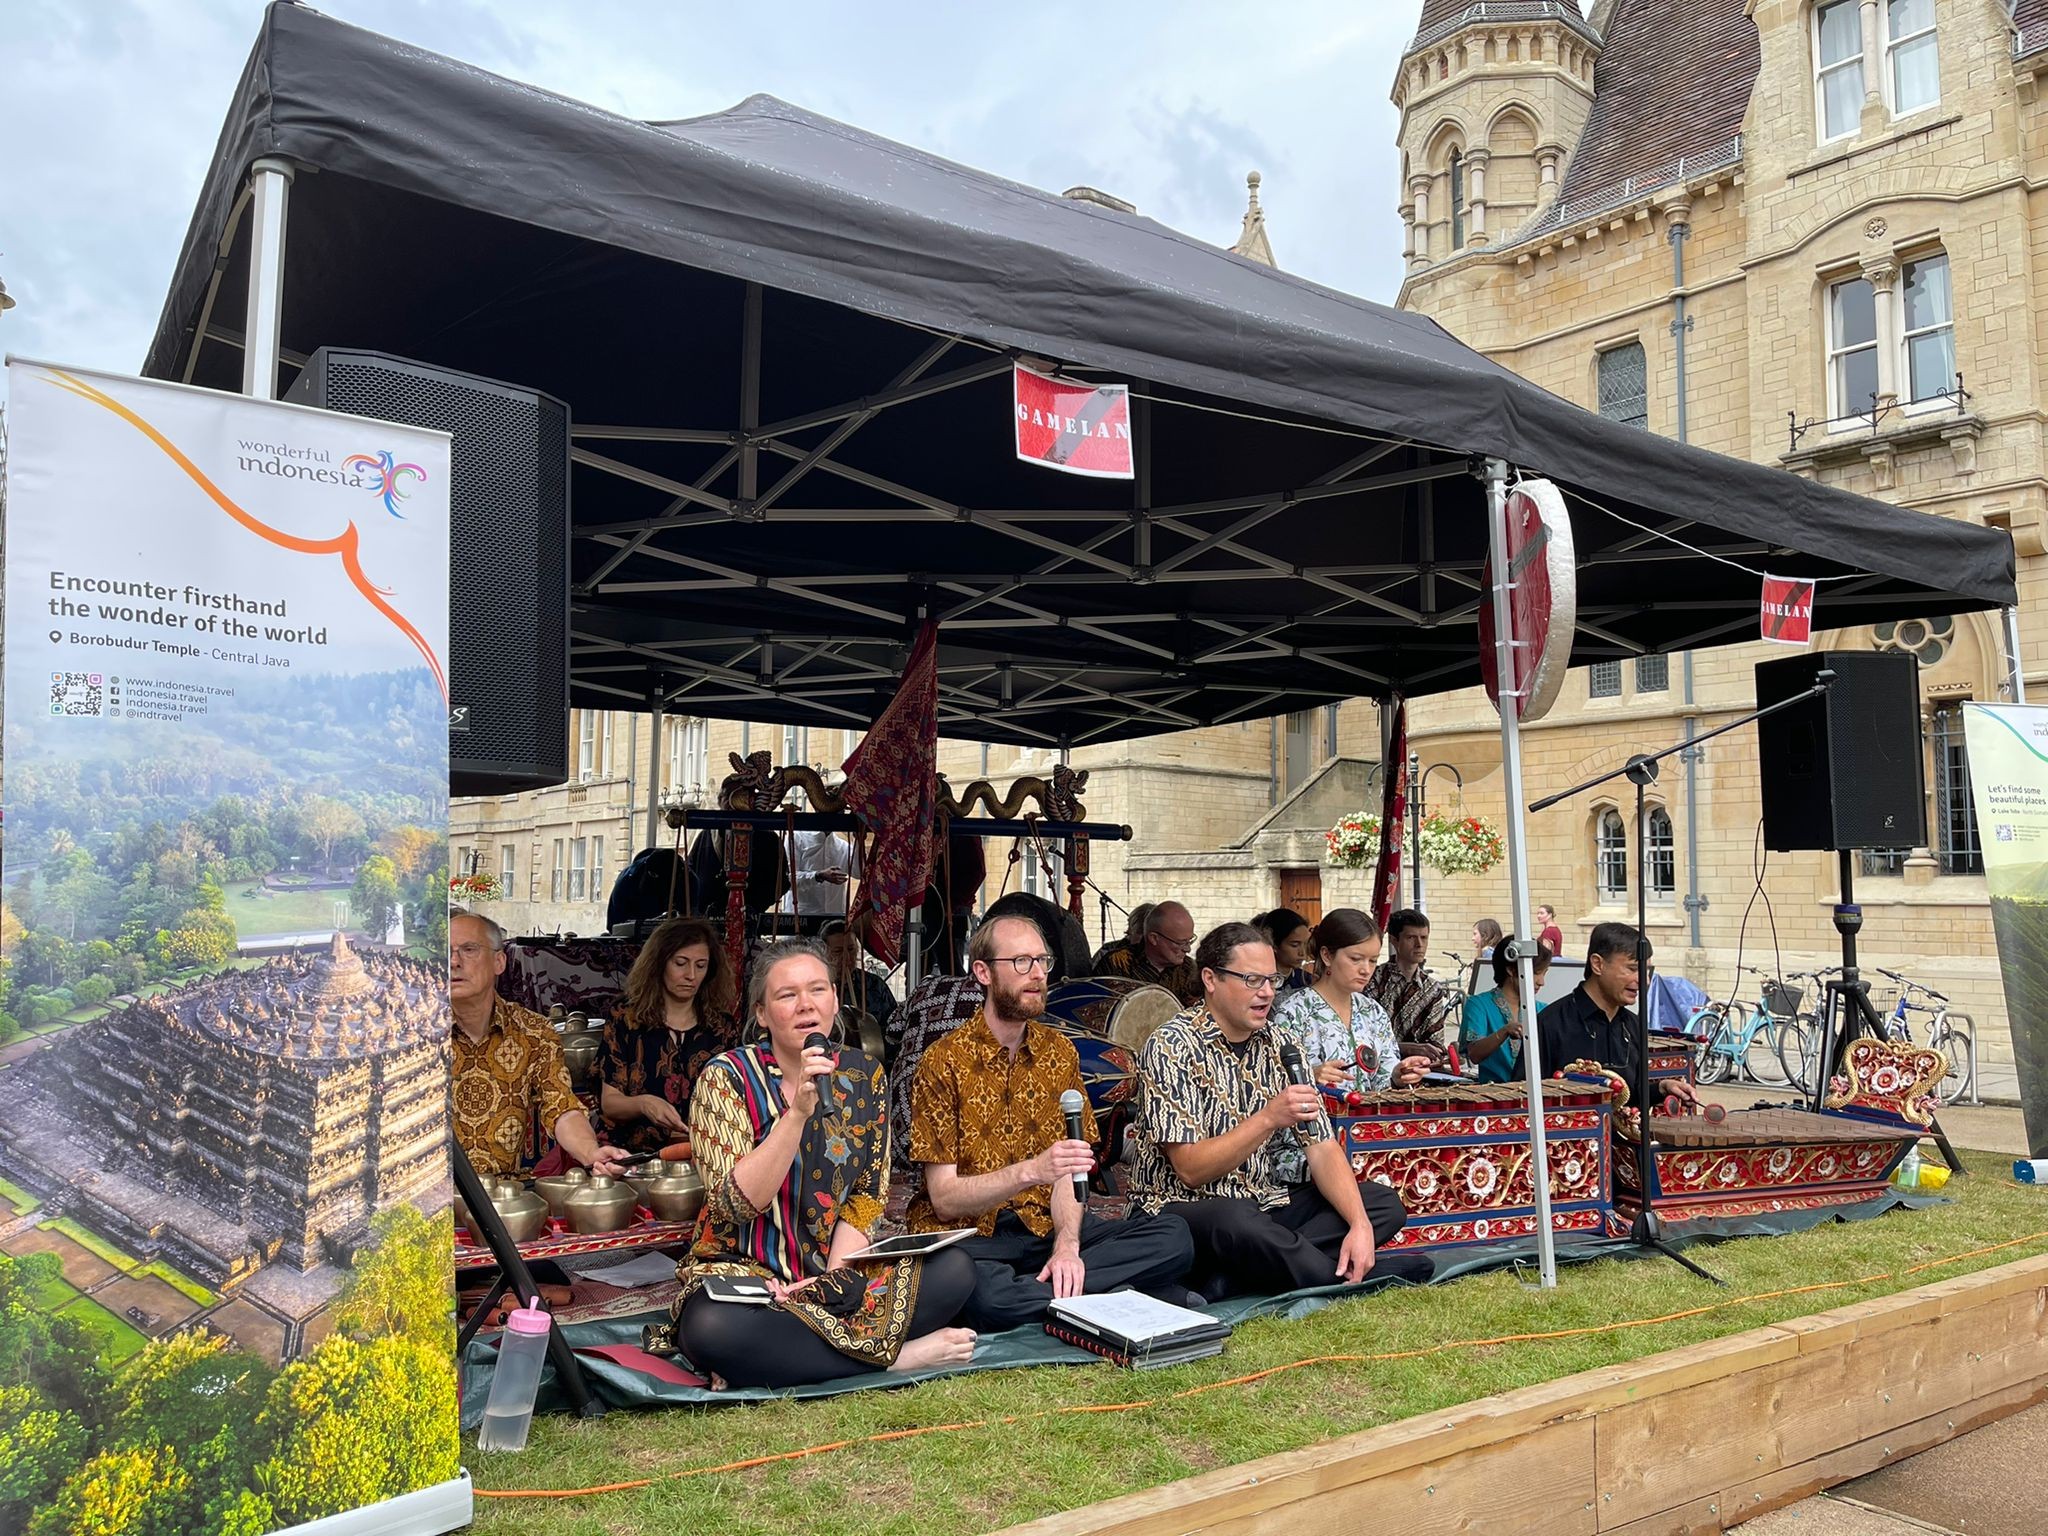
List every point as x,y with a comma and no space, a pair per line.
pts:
1386,879
1788,610
892,785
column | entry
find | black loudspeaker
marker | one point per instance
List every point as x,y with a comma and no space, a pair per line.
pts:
1843,770
508,556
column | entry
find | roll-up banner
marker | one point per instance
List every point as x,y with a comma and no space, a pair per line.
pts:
225,1242
2008,746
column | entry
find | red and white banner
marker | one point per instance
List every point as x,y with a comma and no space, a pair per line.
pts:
1080,429
1788,610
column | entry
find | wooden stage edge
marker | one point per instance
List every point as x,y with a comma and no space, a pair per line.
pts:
1676,1444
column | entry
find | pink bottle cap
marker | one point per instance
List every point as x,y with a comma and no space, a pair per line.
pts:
529,1318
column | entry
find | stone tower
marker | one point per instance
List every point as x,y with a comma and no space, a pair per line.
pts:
1492,98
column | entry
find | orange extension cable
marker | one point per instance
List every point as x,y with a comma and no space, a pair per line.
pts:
1246,1380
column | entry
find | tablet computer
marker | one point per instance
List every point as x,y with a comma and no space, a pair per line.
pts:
744,1290
910,1245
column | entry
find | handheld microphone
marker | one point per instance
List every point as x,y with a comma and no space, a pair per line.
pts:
1071,1105
1297,1069
828,1094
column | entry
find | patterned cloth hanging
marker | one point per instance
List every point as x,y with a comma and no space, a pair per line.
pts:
1386,879
891,785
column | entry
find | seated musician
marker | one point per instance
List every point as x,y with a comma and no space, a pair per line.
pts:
859,987
1416,1001
985,1121
1490,1033
1134,933
1218,1127
1160,956
1346,1038
1597,1022
1291,936
681,1009
508,1063
795,1181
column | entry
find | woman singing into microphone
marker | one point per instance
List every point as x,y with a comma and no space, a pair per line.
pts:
794,1150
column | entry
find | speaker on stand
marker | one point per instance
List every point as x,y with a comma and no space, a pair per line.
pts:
508,556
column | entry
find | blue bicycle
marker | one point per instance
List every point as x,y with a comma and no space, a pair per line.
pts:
1769,1043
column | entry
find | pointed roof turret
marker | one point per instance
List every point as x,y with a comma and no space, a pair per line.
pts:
1251,240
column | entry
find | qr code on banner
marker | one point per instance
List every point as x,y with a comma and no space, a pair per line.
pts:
77,693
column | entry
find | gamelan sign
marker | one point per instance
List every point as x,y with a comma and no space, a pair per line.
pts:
2008,745
225,1248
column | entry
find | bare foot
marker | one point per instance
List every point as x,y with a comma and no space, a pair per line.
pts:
942,1346
719,1383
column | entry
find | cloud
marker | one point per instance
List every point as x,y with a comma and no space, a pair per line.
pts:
110,111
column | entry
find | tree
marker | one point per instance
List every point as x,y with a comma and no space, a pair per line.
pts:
135,1492
357,1423
38,1349
376,894
399,1286
185,1389
39,1448
328,822
412,849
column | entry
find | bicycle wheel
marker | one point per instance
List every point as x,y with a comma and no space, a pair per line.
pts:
1760,1058
1718,1054
1962,1064
1797,1042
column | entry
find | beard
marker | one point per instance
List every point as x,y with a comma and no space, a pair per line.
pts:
1014,996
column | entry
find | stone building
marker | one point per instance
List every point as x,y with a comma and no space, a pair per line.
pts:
253,1117
1807,234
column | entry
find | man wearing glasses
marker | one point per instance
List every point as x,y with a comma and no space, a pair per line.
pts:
508,1063
986,1125
1161,954
1223,1141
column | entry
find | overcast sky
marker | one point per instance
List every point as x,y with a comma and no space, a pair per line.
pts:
109,110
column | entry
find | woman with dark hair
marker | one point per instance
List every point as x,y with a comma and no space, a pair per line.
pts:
1288,932
1485,939
1491,1031
794,1184
1346,1037
678,1013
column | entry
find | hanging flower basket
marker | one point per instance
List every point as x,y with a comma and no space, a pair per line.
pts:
1354,843
1460,845
476,887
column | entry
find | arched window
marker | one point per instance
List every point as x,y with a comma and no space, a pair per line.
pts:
1457,200
1610,855
1660,856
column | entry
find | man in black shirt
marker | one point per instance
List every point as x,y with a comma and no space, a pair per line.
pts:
1597,1022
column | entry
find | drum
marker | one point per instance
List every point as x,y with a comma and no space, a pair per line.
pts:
1108,1018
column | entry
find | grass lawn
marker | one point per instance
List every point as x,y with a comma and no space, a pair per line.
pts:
257,910
22,1201
92,1243
976,1479
114,1340
54,1293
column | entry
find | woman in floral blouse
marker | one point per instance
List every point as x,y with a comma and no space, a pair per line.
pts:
1346,1037
794,1189
679,1012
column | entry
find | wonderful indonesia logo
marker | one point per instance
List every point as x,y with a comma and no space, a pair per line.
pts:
379,473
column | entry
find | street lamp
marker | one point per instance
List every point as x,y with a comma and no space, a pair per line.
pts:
1418,784
6,298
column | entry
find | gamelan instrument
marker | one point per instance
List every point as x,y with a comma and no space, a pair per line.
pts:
1758,1162
1109,1018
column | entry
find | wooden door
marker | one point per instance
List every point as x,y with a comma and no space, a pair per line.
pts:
1301,890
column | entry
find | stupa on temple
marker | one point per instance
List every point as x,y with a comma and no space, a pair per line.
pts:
249,1117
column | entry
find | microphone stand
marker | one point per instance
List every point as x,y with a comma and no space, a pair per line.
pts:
1647,1231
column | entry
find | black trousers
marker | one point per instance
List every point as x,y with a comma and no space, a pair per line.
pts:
767,1347
1241,1249
1142,1253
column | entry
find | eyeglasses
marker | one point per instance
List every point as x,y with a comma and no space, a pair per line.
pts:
470,951
1023,964
1183,945
1257,982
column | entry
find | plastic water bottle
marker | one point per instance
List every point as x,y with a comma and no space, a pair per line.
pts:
508,1413
1905,1176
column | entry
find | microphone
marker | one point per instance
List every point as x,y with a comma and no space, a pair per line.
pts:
827,1094
1071,1105
1297,1069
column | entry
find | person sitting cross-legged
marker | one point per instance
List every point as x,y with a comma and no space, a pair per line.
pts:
1222,1140
986,1123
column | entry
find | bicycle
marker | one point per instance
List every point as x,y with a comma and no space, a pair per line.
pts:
1797,1040
1959,1046
1735,1036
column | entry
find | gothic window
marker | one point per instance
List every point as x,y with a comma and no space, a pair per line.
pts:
1610,855
1625,385
1660,856
1604,680
1929,327
1653,674
1912,61
1852,347
1838,67
1457,201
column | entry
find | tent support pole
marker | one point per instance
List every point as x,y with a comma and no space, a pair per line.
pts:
1507,670
654,773
2015,661
263,331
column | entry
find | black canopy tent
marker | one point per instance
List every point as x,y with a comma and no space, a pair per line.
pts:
787,347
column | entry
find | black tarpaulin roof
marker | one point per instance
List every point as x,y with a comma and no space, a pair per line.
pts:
786,344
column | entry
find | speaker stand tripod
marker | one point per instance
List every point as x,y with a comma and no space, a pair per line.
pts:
1847,1011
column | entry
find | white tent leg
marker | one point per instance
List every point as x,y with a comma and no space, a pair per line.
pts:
1496,477
2015,662
263,331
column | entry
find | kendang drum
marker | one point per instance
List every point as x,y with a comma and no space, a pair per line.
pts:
1109,1018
